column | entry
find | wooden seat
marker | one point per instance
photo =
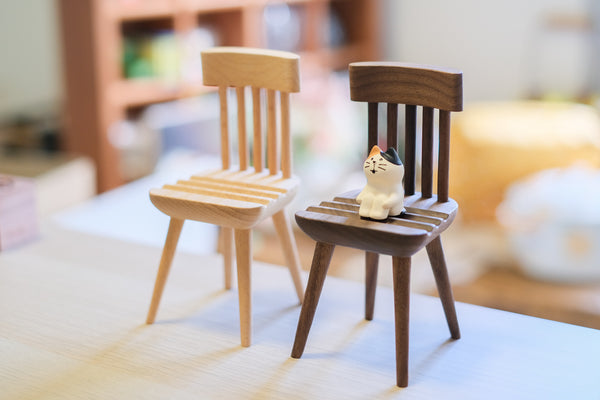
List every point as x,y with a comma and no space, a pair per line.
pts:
237,198
337,222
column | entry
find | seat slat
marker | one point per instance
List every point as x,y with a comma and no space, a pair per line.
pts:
218,193
407,215
354,214
240,184
316,214
229,188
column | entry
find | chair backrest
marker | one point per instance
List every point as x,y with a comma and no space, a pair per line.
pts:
412,85
277,73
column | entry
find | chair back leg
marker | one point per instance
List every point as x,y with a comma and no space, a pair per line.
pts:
290,251
435,252
226,247
165,265
372,265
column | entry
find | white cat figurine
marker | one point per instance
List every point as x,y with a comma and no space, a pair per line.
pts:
383,194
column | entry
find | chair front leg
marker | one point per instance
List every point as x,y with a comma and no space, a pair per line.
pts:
290,250
316,278
243,249
371,267
435,252
401,278
164,267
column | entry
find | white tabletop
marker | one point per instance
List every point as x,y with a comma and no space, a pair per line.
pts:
73,305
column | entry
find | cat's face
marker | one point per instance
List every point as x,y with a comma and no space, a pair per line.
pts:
379,170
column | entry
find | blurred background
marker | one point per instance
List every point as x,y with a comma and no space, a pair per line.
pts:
105,97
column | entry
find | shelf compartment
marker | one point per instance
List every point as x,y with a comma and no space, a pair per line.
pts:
129,10
226,26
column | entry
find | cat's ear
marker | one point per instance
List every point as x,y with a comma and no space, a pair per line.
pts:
392,156
374,151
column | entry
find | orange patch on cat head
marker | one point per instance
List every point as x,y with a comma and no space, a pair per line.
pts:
374,151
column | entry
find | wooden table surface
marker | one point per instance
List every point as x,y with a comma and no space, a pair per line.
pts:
72,309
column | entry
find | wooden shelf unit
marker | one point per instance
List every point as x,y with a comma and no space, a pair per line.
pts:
98,95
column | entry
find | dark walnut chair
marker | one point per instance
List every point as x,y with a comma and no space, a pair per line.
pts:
238,197
337,222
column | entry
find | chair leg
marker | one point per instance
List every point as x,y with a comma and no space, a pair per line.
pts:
371,264
165,265
290,250
440,272
243,249
316,278
401,278
226,239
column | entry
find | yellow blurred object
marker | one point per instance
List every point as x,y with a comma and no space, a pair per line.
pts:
497,143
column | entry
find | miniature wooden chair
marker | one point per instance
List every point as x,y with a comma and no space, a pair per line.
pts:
237,199
427,215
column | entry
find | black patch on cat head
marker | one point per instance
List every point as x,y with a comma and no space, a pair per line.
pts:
392,156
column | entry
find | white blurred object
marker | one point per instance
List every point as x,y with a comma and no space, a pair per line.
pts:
283,27
138,146
553,224
193,43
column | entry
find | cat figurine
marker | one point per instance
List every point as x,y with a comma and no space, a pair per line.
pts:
383,194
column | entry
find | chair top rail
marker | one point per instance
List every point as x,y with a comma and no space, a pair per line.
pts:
406,83
242,66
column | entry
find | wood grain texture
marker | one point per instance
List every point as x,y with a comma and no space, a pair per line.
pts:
410,146
427,215
290,251
273,153
166,260
444,156
242,66
238,198
257,145
225,147
371,267
227,246
372,132
392,126
286,140
427,153
404,83
241,122
401,284
435,252
318,272
232,205
338,222
243,247
72,328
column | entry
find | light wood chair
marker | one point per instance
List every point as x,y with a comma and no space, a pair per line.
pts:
427,215
238,198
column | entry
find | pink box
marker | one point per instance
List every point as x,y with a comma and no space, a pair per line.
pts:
18,217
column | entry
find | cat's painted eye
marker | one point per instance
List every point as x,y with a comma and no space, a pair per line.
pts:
380,159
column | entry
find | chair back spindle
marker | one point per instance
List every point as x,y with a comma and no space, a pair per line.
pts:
257,149
410,146
427,153
392,125
412,85
276,73
225,162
